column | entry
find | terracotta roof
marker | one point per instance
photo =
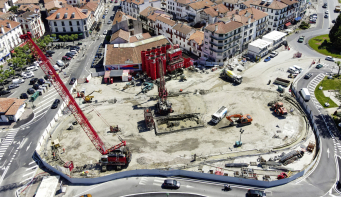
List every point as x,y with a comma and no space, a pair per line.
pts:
1,13
198,37
236,17
2,3
30,7
220,8
86,1
27,2
148,11
185,29
257,14
211,11
10,106
139,38
121,16
120,34
7,16
90,6
231,1
165,20
119,55
69,11
289,2
200,4
4,23
224,28
183,1
52,4
137,2
276,5
26,14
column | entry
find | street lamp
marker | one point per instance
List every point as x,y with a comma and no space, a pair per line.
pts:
241,132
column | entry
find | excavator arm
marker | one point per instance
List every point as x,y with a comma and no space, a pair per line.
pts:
233,116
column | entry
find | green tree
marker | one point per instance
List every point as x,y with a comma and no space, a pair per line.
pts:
14,9
1,67
63,38
335,33
53,35
72,38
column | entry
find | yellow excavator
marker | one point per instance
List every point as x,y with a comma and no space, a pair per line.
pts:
88,98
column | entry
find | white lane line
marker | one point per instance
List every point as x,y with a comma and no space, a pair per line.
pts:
54,92
28,173
4,174
32,162
31,168
25,180
42,106
43,109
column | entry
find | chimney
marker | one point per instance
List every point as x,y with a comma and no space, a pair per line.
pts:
9,25
2,29
251,16
216,27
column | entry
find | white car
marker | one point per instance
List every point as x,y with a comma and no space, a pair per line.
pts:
34,68
330,58
273,54
29,75
327,12
105,32
26,73
109,22
13,85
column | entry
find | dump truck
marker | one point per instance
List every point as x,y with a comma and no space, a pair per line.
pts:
282,82
337,8
231,76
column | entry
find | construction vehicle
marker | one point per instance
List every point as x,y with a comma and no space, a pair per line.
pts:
242,119
283,175
227,74
282,82
115,129
218,115
118,155
89,98
148,118
146,86
279,109
163,106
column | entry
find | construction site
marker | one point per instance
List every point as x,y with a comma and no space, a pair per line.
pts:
166,121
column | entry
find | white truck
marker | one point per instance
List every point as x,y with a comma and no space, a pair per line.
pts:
218,115
231,76
305,94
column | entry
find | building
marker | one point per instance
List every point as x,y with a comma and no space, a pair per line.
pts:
211,14
4,6
164,26
52,6
9,38
148,18
126,23
180,35
192,10
259,48
234,4
26,2
31,22
223,40
96,9
195,42
70,20
178,7
122,36
29,8
11,109
135,7
128,56
276,38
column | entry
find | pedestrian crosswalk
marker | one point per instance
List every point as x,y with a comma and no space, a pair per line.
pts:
7,142
311,87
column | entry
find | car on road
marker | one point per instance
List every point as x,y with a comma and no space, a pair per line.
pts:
255,193
30,91
171,184
13,85
103,16
267,59
308,75
109,22
329,58
105,32
60,63
72,52
33,81
55,103
69,55
29,75
4,92
273,54
50,52
56,68
72,81
34,68
326,16
23,96
25,73
334,21
301,39
48,55
66,58
325,5
326,12
318,66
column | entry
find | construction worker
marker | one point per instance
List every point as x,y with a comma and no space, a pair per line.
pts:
63,150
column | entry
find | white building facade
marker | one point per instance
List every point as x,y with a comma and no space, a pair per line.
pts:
9,38
135,7
31,22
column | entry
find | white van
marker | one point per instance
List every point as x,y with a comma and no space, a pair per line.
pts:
305,94
293,70
17,81
56,68
299,69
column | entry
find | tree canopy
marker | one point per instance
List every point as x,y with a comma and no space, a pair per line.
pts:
335,33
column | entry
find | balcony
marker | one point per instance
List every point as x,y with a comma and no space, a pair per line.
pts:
217,44
236,38
220,38
276,19
218,50
277,13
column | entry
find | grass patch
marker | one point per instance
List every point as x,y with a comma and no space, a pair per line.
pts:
327,84
322,45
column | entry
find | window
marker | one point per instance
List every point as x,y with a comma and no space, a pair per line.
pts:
249,37
71,28
56,29
63,23
64,29
55,23
206,37
70,23
220,47
77,23
245,33
79,29
206,42
220,41
211,52
219,54
86,29
251,31
205,48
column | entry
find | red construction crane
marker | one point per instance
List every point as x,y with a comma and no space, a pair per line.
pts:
74,108
163,106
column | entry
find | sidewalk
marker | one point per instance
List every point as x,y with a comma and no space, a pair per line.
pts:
26,117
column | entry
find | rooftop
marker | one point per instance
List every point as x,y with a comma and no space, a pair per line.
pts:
90,6
68,12
121,16
31,8
120,34
185,29
274,35
139,37
27,2
6,28
223,28
10,106
273,4
53,4
166,20
200,4
198,37
259,43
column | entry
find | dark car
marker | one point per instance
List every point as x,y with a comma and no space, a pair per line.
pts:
4,92
41,81
72,81
50,52
255,193
66,58
171,184
308,75
48,55
55,103
324,5
75,48
31,91
46,77
70,55
23,96
36,86
33,81
333,21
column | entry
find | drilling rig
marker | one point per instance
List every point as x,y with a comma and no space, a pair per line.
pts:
163,106
118,155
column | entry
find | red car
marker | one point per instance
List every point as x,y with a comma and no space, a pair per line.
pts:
66,58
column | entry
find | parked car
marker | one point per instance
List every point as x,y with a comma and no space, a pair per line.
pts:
48,55
301,39
55,103
75,47
50,52
29,75
69,55
308,75
326,12
18,80
4,92
325,5
273,54
31,91
255,193
105,32
333,21
109,22
36,86
72,52
33,81
41,81
60,63
171,184
56,68
318,66
13,85
329,58
72,81
267,59
23,96
66,58
326,16
103,16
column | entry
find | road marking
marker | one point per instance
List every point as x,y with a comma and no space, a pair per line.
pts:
25,180
328,152
4,174
22,143
43,109
28,173
31,168
32,162
28,146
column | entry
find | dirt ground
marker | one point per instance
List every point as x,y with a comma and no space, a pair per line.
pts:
170,150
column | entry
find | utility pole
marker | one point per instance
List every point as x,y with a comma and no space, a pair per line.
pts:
241,132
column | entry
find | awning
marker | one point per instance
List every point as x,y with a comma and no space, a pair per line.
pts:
298,18
287,24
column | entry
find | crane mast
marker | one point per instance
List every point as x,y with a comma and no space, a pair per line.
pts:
163,106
